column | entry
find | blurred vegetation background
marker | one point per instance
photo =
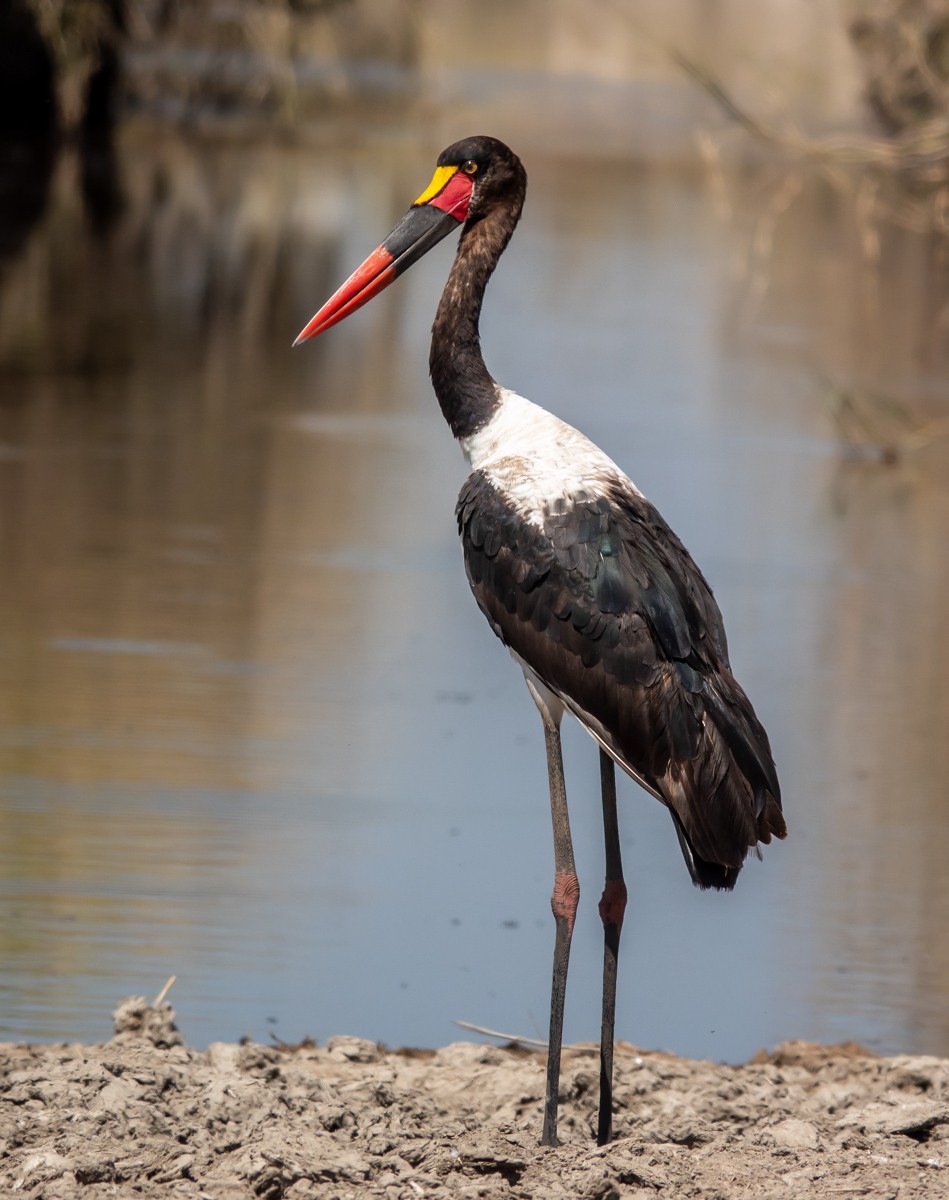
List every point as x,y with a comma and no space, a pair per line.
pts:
853,91
62,59
856,83
262,55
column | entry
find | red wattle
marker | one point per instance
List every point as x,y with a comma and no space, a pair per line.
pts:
455,196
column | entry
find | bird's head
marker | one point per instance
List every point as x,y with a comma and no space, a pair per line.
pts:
471,179
494,170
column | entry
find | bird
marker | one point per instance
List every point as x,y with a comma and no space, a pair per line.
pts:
587,586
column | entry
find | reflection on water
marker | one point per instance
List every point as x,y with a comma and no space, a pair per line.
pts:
253,731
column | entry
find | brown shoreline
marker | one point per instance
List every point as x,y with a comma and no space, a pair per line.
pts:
143,1115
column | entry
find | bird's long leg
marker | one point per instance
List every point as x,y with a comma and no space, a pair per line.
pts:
612,908
566,895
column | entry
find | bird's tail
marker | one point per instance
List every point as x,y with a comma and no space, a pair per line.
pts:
730,801
704,874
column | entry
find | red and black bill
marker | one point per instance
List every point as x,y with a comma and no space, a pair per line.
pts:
442,207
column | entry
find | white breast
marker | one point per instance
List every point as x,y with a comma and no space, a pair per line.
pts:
535,459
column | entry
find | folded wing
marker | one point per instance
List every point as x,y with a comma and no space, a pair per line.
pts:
602,601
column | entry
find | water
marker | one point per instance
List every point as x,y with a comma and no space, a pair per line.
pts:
255,733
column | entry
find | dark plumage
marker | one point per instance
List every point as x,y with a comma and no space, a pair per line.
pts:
585,582
608,608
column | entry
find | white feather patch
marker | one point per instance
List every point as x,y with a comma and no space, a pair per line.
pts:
535,459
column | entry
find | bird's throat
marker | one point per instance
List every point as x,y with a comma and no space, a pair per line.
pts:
466,392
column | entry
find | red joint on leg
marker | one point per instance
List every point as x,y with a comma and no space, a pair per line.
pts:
566,897
613,903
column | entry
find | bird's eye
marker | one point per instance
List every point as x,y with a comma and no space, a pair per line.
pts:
469,167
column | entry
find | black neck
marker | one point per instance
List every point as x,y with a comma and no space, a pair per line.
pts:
465,389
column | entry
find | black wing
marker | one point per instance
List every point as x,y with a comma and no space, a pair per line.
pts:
605,604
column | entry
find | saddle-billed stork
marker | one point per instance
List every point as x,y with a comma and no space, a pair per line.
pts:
585,583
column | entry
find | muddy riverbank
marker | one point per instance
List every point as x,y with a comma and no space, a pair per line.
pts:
144,1115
